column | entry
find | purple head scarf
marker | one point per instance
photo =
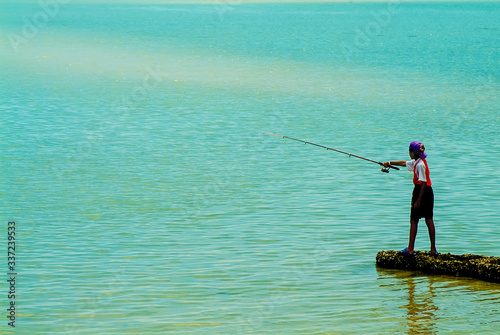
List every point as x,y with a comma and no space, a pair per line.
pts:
418,147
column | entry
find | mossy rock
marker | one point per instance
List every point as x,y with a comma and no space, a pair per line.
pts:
468,265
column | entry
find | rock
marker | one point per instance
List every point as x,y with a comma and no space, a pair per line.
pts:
475,266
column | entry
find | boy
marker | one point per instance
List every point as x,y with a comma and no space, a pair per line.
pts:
422,202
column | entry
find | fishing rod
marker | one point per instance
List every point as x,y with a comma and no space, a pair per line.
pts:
384,169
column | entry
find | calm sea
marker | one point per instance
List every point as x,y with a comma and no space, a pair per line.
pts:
147,199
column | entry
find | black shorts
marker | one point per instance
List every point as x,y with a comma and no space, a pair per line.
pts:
426,209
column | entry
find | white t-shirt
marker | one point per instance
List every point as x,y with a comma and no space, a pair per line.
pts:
420,169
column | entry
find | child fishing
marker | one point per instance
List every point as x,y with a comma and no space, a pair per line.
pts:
422,202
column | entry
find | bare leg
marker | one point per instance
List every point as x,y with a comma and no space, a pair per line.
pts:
413,234
432,233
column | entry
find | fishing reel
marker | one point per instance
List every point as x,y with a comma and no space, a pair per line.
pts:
386,168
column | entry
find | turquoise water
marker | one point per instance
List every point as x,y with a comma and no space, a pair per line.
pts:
148,200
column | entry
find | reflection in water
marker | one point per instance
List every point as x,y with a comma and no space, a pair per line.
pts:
418,294
431,302
420,306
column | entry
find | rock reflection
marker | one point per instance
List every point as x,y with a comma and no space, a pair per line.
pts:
420,307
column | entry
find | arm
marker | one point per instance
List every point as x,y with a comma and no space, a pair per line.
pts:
416,205
396,163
